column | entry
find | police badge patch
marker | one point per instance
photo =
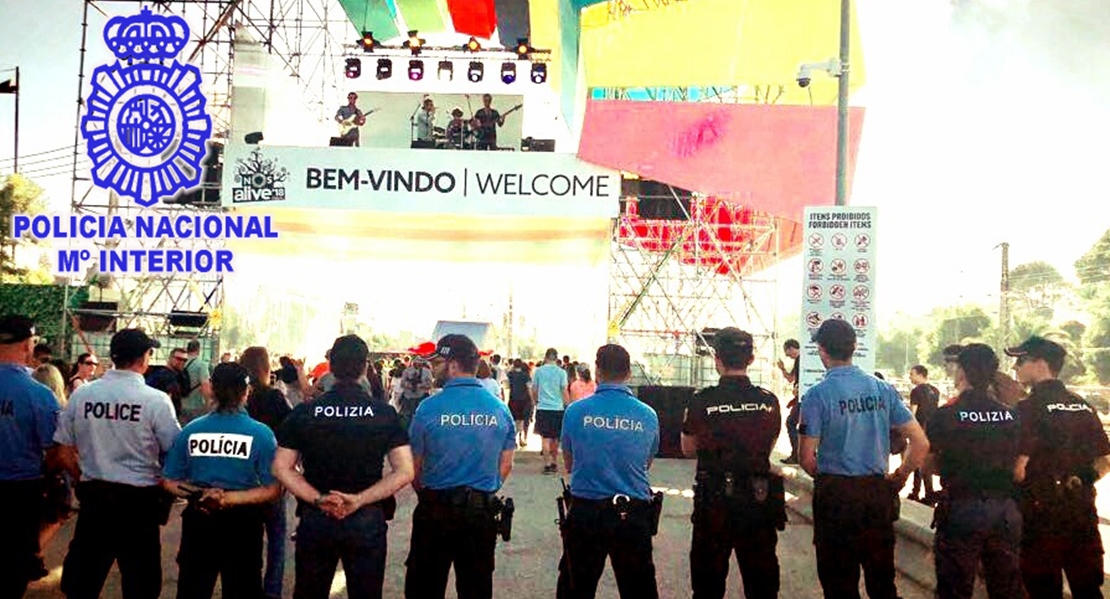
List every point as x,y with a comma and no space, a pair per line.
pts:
146,128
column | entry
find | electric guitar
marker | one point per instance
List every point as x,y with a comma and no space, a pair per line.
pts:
346,125
487,131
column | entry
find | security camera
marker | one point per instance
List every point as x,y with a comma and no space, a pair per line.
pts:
805,71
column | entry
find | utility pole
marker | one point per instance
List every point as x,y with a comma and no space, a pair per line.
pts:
842,105
1004,296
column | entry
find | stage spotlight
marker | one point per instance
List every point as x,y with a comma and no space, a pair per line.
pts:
414,43
539,72
354,68
473,45
416,70
508,72
446,70
385,68
475,72
522,48
368,42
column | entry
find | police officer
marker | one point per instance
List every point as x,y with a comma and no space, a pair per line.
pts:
973,441
739,505
111,436
609,440
28,417
845,441
344,502
222,462
462,442
1063,452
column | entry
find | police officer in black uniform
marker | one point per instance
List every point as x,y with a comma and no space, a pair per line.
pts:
974,443
343,437
739,504
1063,452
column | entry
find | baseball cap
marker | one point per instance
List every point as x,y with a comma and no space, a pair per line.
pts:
230,375
835,333
130,344
15,328
1038,347
977,356
455,347
732,339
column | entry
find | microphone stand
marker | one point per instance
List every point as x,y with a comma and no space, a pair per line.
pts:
412,123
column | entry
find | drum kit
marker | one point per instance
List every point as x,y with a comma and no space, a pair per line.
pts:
462,138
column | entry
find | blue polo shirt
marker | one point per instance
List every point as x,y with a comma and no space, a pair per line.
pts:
460,433
852,413
28,419
611,437
549,381
229,451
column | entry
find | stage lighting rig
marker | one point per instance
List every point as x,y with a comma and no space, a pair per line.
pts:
523,50
368,43
508,72
415,43
416,70
385,68
475,71
353,69
446,70
539,72
472,45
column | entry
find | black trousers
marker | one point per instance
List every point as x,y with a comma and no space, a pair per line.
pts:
720,530
227,544
117,523
971,532
853,528
444,535
595,533
359,540
1061,537
20,504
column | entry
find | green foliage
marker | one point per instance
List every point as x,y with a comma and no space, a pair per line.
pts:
957,324
1036,287
897,350
43,304
18,195
1093,270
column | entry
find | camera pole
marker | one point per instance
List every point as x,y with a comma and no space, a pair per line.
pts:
842,106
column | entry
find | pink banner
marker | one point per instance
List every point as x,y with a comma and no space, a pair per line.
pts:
776,159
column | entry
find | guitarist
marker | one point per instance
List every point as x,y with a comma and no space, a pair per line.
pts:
485,123
352,116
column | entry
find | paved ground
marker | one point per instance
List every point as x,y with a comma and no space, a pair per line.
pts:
526,566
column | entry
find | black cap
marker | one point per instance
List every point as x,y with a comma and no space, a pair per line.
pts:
1038,347
977,356
835,333
129,345
951,353
15,328
230,375
455,347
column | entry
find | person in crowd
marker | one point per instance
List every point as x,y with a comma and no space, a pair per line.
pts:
485,378
583,385
1003,387
197,396
28,417
292,381
611,509
497,372
170,378
43,354
267,404
111,437
1063,451
222,463
462,443
320,369
793,350
225,357
57,507
342,439
458,131
924,401
845,437
416,384
974,442
550,396
82,371
520,400
48,375
739,504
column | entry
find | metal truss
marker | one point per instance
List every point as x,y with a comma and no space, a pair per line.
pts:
673,282
304,36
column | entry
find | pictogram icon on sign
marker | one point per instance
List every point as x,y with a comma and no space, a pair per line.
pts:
863,241
815,266
837,292
813,320
836,316
863,266
840,241
860,320
814,292
861,293
838,267
816,241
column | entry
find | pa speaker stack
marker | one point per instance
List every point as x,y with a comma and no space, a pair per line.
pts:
669,404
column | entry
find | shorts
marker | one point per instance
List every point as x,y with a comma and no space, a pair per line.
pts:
522,410
549,423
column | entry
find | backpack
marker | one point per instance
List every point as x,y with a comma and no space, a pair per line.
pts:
184,381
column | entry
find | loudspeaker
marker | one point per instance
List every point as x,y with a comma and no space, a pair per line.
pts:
423,144
658,201
669,404
188,320
529,144
96,322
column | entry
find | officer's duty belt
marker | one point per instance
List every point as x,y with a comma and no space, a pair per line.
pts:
457,496
980,494
611,502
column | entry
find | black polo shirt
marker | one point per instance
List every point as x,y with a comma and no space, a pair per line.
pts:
975,439
343,438
736,425
927,398
1060,433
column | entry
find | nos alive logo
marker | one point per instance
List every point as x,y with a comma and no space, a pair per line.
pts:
258,179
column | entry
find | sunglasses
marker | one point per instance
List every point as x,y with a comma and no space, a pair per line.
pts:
87,363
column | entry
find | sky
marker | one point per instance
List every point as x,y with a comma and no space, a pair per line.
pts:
981,129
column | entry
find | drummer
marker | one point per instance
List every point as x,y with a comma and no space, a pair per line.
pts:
425,121
458,132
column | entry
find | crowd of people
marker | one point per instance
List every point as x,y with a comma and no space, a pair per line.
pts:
231,443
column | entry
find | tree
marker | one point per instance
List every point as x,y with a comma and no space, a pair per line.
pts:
18,195
958,324
897,350
1093,270
1037,287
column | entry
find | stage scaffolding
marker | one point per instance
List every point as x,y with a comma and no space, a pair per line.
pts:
306,37
674,282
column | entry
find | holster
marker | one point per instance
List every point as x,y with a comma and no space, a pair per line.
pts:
759,498
656,511
505,509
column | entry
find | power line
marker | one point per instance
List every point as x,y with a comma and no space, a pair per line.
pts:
69,147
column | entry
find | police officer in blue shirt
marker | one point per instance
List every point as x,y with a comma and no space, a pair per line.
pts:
974,441
222,463
28,417
609,440
847,420
463,441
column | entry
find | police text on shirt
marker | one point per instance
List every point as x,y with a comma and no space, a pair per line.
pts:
101,410
467,420
343,411
1074,407
993,416
745,407
611,423
216,445
859,405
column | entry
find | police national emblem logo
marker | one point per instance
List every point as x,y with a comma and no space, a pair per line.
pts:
146,128
258,179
